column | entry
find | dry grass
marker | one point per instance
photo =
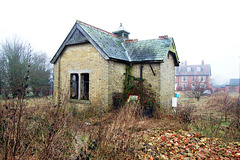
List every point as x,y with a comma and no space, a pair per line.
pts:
50,132
217,115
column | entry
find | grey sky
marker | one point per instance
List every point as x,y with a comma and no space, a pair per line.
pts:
202,30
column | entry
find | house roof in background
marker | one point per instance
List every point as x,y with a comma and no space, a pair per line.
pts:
234,82
110,46
193,70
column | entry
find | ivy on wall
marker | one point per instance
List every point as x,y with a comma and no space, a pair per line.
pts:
133,85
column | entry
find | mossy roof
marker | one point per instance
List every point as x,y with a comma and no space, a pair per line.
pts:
149,50
112,47
110,44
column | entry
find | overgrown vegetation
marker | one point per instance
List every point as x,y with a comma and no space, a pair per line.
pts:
49,132
148,104
215,116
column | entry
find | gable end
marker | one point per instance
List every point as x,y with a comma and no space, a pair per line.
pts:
76,38
77,35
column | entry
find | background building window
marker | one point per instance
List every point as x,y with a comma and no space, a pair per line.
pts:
202,79
189,69
193,78
184,86
184,79
198,69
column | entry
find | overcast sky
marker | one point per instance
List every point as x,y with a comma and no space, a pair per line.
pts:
206,30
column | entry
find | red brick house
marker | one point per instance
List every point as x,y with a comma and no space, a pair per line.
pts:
188,77
233,86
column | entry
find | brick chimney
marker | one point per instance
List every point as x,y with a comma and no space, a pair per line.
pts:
163,37
131,40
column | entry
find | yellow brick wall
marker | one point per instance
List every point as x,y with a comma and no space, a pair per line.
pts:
148,76
82,57
167,81
115,78
163,82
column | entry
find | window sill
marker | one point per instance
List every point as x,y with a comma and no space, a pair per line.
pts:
79,101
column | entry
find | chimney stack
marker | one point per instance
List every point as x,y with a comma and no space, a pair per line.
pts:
185,62
163,37
131,40
202,62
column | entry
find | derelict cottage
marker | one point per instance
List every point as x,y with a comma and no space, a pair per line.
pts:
90,64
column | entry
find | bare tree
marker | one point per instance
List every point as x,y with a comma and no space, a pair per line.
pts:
15,57
198,89
40,74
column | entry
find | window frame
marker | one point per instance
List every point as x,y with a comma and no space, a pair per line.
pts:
184,79
74,86
202,79
199,69
86,84
193,78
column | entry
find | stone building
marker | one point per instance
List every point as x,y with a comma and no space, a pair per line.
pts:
90,64
190,76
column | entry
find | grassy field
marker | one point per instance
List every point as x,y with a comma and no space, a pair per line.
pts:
36,129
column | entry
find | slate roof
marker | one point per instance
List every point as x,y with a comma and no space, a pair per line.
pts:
111,46
149,50
205,70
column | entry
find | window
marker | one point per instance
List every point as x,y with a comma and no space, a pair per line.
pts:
74,86
189,69
193,78
184,85
202,79
198,69
79,84
184,79
84,86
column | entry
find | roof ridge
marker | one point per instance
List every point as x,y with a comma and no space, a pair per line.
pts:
99,29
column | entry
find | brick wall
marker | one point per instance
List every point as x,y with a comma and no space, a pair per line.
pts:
82,57
106,77
167,81
115,79
148,76
189,81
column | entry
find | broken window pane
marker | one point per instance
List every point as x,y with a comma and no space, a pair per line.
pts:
74,86
84,86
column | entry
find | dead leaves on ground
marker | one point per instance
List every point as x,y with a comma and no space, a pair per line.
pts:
159,144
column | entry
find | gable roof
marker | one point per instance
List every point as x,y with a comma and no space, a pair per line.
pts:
110,46
205,70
